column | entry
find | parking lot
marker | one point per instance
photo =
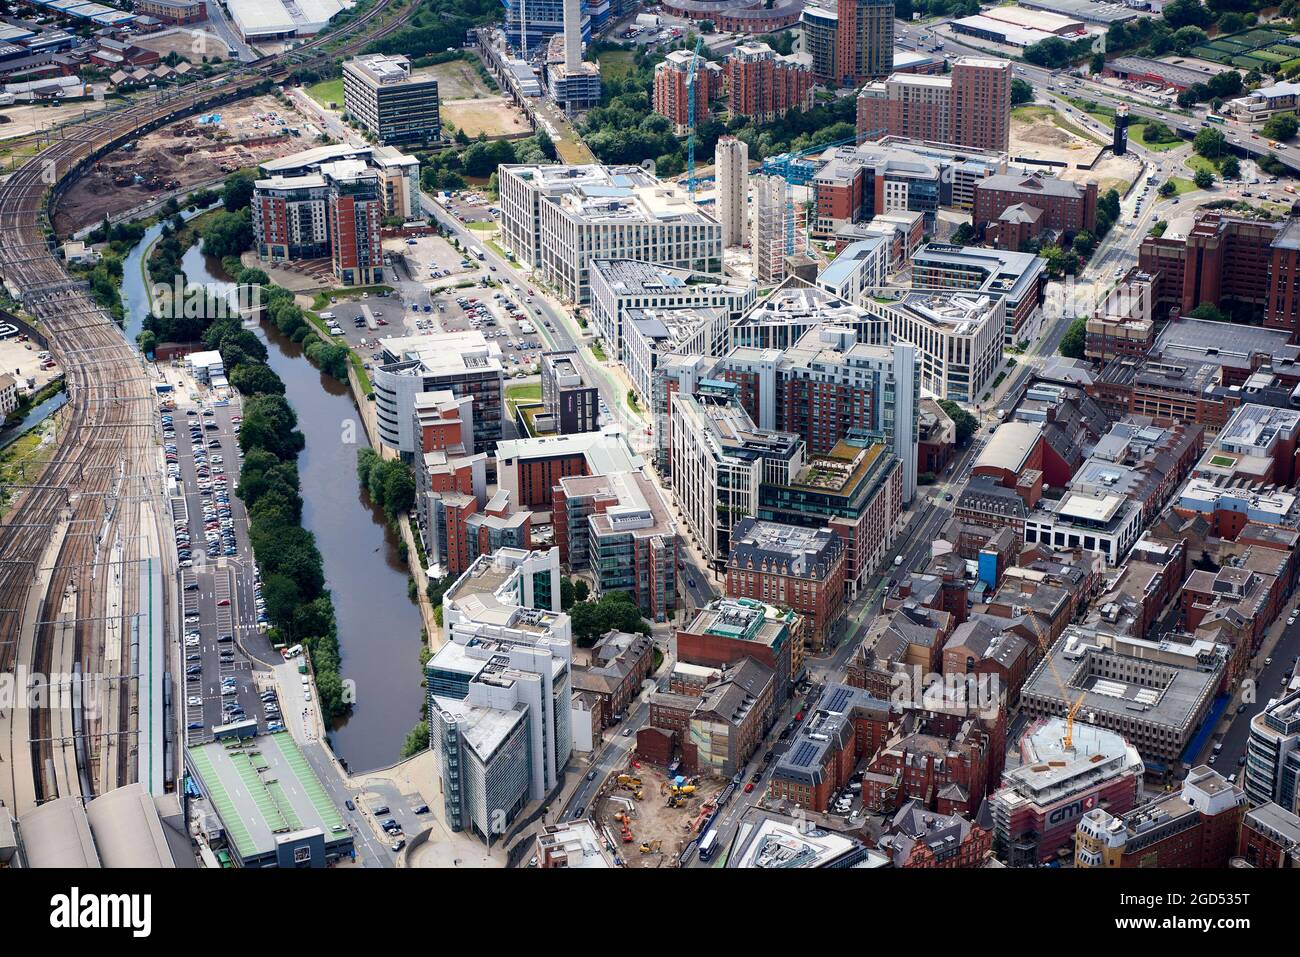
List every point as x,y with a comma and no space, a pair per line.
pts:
221,603
25,360
364,323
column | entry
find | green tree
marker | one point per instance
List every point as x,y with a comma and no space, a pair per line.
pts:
1203,179
1230,168
1167,188
253,378
1021,92
1209,312
417,740
237,193
1210,142
1072,344
966,423
1280,127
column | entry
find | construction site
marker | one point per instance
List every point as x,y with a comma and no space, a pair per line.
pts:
188,154
1041,133
649,817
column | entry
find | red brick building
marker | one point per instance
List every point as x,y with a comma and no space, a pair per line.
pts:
846,726
791,566
949,763
919,838
969,107
672,95
1067,207
1270,837
765,86
1197,827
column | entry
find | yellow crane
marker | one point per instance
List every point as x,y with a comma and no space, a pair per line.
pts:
1060,683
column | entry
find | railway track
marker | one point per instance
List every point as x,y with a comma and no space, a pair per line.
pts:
70,556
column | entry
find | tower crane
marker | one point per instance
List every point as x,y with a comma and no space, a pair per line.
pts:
691,73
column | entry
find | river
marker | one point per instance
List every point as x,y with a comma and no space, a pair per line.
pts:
378,625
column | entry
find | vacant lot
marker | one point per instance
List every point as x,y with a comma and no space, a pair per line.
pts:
1041,133
328,93
494,116
457,80
192,45
180,156
615,63
28,118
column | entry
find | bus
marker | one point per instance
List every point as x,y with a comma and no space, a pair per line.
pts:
1214,118
706,845
477,253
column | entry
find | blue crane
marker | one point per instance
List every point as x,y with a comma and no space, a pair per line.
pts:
690,117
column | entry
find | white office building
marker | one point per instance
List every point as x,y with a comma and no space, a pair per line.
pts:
500,689
621,285
558,219
958,337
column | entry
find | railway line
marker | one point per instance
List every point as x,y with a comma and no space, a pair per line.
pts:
71,557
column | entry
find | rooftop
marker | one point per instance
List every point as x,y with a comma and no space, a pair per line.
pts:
793,549
262,790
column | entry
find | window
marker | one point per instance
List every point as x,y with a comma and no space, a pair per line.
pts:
302,855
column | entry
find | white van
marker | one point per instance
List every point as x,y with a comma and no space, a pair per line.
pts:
326,315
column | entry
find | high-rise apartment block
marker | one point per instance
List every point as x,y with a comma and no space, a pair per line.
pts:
849,41
969,107
731,165
391,103
763,85
569,401
335,211
573,83
776,232
558,219
672,92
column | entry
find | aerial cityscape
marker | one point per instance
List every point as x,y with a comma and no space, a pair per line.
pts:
731,434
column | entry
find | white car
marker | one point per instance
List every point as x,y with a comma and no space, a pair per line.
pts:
191,642
306,696
195,701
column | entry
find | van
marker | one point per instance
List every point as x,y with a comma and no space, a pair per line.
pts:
898,560
1218,747
326,315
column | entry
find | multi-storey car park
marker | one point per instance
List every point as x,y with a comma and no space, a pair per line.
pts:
81,564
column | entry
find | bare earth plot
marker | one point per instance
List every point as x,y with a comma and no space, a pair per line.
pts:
28,117
179,156
1041,133
192,45
494,116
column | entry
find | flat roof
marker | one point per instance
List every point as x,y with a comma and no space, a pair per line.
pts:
261,17
262,789
1010,445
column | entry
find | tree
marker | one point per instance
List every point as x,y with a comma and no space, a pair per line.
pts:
546,144
1230,168
1203,179
1280,127
1072,345
237,193
1167,188
1210,142
1084,243
1098,62
966,423
417,740
253,378
964,235
1209,312
399,489
1021,92
1187,37
228,234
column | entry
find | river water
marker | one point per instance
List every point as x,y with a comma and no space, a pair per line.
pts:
379,626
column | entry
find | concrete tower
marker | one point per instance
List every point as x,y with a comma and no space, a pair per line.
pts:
572,35
767,228
731,159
